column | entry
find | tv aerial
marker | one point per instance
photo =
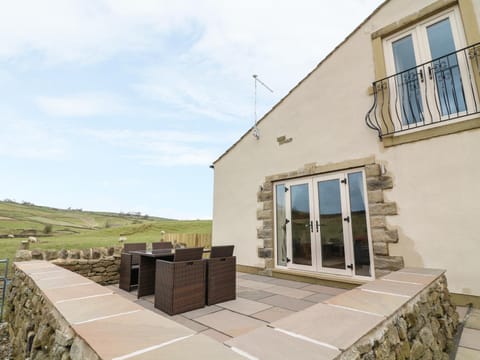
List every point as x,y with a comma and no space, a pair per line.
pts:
256,80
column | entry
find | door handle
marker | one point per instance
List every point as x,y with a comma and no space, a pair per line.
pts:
421,75
350,266
317,225
347,219
311,226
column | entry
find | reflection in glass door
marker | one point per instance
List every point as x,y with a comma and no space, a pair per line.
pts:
359,227
331,224
300,225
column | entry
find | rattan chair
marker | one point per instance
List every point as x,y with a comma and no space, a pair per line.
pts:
129,266
180,284
162,245
221,277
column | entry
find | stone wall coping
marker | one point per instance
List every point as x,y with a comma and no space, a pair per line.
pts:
334,327
114,327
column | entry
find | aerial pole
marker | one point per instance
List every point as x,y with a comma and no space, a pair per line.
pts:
256,80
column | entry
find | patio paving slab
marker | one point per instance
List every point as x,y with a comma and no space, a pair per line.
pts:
392,287
87,309
244,306
319,297
467,354
473,321
287,302
344,328
201,312
410,278
422,271
253,294
272,314
288,283
76,292
132,296
257,285
267,343
289,291
35,266
216,335
62,282
230,323
48,274
380,304
149,329
194,347
470,339
324,289
191,324
259,278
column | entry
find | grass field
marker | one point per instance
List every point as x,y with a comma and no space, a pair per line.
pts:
76,229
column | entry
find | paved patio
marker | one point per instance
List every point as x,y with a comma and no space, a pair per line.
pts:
469,345
262,300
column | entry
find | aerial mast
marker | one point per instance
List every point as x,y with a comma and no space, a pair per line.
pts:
257,80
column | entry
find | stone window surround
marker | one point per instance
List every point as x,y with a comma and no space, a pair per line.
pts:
376,182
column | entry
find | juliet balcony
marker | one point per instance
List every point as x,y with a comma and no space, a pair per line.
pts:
445,89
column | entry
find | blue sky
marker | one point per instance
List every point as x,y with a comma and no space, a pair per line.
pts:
121,105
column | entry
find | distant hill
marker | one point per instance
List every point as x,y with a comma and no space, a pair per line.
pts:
77,229
24,219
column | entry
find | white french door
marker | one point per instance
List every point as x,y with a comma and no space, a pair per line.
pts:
322,224
428,82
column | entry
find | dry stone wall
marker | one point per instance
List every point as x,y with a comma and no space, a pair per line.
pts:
97,264
37,330
422,329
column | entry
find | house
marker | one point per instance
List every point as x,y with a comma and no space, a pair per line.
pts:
372,162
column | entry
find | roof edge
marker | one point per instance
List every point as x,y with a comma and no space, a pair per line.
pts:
377,9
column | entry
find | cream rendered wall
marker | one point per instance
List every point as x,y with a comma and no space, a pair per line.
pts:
434,180
437,190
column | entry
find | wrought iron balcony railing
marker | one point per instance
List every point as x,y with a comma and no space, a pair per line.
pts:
443,89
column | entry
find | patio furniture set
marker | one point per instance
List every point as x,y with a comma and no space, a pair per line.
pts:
180,279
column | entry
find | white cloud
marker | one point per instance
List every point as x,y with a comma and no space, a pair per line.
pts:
80,105
277,38
165,148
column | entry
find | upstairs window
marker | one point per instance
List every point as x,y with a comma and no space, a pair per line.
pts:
428,71
431,77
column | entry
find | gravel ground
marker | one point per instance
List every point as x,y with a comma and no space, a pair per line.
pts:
5,347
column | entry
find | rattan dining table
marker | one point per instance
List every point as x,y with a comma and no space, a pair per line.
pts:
146,270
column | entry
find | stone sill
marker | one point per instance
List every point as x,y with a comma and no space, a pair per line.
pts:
339,281
427,132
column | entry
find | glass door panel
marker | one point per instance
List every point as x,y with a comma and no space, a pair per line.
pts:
409,102
331,224
300,225
321,224
445,68
281,224
358,215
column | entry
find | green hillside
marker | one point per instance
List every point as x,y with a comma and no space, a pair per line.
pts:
77,229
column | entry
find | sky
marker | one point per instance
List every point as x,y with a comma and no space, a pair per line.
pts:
121,105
